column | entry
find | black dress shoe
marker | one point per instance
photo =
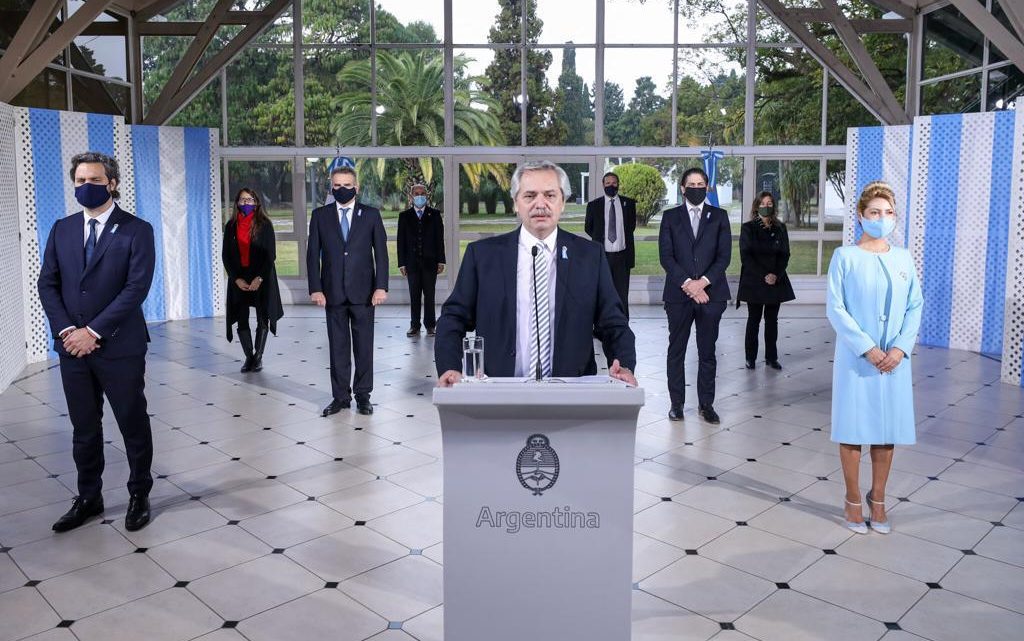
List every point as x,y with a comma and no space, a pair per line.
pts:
431,331
335,407
709,414
750,364
81,511
675,413
138,513
774,364
364,407
413,331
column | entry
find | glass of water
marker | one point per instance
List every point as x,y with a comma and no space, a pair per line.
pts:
473,358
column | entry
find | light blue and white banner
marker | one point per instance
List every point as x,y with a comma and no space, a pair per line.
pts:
1013,317
179,175
878,153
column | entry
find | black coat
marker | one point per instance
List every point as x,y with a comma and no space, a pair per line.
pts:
347,271
764,251
262,253
420,241
594,224
683,256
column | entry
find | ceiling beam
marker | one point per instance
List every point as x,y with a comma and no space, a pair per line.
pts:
1009,44
154,9
860,25
32,64
906,8
165,109
35,27
844,75
1015,14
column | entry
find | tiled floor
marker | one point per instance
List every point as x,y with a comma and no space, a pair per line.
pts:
272,523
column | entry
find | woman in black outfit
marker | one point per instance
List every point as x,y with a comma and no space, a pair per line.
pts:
248,254
764,285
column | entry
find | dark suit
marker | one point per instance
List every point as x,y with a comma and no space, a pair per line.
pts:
484,300
618,262
107,296
347,273
685,257
420,251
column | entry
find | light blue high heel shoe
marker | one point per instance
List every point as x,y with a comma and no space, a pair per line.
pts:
859,528
884,527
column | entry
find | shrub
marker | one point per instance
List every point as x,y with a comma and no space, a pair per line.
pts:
643,184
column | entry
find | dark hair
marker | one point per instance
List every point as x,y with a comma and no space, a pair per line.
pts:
611,173
109,167
344,170
691,171
757,205
260,217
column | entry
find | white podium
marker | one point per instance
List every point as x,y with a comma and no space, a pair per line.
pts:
538,509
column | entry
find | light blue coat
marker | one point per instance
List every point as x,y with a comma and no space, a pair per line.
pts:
873,300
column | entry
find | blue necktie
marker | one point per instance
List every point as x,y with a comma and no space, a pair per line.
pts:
90,243
344,223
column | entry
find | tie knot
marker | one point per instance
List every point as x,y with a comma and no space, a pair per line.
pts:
344,211
541,248
93,223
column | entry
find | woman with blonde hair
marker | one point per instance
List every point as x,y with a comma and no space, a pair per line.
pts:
874,304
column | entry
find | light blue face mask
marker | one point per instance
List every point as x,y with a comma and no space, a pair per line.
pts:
880,227
419,201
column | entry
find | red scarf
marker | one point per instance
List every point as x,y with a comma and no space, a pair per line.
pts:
244,230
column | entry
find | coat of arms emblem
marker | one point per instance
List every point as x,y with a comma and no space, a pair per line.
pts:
537,465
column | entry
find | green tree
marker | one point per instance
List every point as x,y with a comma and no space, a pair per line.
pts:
614,108
503,79
644,184
572,102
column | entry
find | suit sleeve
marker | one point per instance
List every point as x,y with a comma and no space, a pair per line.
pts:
49,285
782,258
748,257
380,254
675,272
141,263
401,241
441,255
588,222
610,320
458,316
313,256
723,253
631,221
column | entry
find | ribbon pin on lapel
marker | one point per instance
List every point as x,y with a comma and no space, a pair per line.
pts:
113,230
565,253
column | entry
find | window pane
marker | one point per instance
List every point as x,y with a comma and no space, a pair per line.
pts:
100,97
803,257
48,90
287,262
794,183
565,115
629,22
828,247
769,29
333,22
272,181
835,196
261,98
787,100
405,21
472,21
845,111
957,95
101,55
643,79
410,97
562,21
711,96
726,23
501,82
485,205
202,111
951,43
324,96
1005,85
280,30
479,115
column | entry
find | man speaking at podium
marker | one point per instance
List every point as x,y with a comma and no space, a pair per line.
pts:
536,295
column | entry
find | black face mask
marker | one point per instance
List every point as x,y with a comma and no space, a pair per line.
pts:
343,195
766,212
695,195
611,190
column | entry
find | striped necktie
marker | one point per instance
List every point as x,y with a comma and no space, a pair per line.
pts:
540,346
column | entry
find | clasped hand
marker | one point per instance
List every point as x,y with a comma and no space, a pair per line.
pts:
80,342
771,279
248,287
885,362
694,288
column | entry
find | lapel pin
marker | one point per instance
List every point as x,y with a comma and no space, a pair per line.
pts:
565,253
113,230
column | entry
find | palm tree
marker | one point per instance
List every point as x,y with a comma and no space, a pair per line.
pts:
410,99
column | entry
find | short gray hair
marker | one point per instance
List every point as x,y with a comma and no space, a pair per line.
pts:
541,165
110,167
420,185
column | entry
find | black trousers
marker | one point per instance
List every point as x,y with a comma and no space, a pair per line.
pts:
350,334
681,317
242,314
422,283
619,265
771,330
122,380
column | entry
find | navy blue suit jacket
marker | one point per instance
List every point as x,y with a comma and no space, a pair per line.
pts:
347,272
484,300
107,293
683,256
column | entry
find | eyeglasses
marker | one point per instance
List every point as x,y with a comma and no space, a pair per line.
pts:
246,201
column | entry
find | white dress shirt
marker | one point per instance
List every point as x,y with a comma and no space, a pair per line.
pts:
620,240
700,219
100,226
351,209
524,297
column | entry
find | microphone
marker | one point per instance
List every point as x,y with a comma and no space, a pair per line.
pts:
536,313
